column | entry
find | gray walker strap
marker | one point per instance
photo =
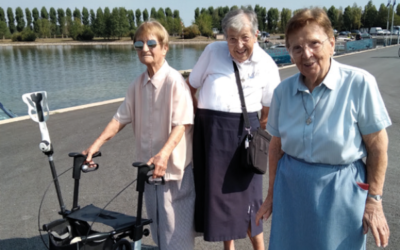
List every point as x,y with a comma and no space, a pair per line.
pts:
61,237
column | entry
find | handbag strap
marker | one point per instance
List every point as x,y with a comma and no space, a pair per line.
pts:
242,101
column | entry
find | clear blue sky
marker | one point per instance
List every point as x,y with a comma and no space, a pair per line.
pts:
185,7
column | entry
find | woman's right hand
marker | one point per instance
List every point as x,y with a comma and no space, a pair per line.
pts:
265,210
90,151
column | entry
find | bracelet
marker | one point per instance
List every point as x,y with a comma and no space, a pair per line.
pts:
376,197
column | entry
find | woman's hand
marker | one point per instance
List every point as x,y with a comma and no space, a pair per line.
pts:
90,151
160,162
374,218
265,210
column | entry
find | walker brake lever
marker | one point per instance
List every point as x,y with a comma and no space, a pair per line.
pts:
85,167
154,181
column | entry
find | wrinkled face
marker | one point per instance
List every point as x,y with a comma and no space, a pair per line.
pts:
241,43
149,55
310,49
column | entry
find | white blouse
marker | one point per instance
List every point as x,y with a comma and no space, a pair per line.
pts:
214,73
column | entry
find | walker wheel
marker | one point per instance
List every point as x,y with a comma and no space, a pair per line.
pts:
122,244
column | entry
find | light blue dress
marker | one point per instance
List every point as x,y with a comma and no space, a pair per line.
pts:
317,203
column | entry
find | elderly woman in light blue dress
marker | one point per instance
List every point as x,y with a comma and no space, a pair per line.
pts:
324,120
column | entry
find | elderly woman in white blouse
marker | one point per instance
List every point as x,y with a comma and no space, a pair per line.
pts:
227,195
159,107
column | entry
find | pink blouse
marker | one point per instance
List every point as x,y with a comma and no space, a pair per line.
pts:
154,106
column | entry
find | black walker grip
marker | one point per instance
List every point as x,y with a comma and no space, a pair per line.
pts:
37,98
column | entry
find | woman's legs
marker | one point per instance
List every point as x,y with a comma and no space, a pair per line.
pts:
229,245
257,241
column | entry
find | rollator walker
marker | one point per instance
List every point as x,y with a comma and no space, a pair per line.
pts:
73,231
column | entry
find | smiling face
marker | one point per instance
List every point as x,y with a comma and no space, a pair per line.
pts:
241,43
151,57
314,49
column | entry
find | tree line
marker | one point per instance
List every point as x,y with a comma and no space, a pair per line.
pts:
274,21
84,24
117,22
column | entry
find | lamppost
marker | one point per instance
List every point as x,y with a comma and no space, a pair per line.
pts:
387,22
391,32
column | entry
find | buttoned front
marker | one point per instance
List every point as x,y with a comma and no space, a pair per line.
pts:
154,106
214,73
347,105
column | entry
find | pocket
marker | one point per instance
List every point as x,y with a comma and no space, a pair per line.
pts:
358,178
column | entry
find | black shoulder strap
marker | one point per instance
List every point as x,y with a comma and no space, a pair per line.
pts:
244,109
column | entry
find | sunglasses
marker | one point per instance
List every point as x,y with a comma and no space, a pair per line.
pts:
140,44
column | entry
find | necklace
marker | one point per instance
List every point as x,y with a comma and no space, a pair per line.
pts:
309,120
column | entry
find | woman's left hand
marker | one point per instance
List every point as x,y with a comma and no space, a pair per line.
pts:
374,218
160,162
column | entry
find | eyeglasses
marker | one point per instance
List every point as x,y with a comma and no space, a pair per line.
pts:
140,44
313,46
234,40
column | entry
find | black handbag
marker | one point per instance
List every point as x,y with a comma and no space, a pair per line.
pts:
255,145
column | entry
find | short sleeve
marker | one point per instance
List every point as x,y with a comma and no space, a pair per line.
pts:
272,79
124,114
182,104
273,116
198,74
372,115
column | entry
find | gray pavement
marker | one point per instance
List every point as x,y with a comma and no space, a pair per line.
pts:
25,174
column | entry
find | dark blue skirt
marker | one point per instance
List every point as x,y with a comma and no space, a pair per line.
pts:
227,195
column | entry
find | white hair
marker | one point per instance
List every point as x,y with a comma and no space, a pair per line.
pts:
234,20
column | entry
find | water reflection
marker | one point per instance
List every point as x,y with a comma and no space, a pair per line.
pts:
76,75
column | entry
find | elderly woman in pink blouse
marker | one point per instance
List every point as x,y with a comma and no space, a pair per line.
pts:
158,104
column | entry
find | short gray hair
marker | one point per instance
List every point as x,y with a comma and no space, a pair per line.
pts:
234,20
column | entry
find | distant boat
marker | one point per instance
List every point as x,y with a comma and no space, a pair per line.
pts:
5,113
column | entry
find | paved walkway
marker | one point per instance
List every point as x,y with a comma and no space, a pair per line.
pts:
24,170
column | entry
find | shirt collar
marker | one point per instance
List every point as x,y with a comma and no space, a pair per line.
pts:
158,78
331,80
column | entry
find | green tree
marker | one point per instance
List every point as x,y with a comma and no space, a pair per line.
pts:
381,19
153,13
68,20
340,19
234,7
85,16
204,23
196,13
76,28
356,16
114,23
272,19
145,15
4,30
333,16
107,23
264,18
398,9
138,15
2,15
285,16
123,22
53,21
28,15
61,22
77,14
43,13
99,24
35,14
44,28
92,18
11,21
19,16
131,20
210,10
369,15
161,15
347,18
168,12
216,20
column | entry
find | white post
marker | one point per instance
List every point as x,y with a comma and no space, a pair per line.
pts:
387,23
391,32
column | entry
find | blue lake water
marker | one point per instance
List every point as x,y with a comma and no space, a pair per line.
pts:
76,75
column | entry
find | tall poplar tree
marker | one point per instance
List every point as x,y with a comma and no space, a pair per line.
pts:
153,13
107,23
19,16
131,20
28,15
61,21
138,15
85,16
123,22
145,15
53,21
2,15
35,14
11,23
92,19
44,14
99,23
